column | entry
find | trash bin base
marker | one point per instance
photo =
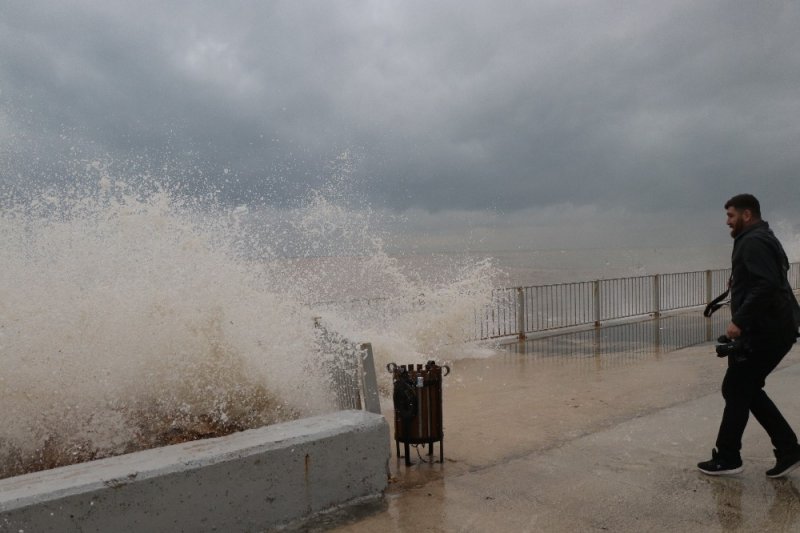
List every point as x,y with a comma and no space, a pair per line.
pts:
407,450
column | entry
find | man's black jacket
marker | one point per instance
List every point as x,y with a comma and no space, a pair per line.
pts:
762,302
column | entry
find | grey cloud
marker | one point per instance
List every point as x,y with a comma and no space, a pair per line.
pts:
452,105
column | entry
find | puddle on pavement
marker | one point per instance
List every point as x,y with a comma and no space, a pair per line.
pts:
628,341
739,505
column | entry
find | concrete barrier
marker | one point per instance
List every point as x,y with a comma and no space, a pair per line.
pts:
249,481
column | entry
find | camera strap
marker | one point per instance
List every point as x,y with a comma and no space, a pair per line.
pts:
715,304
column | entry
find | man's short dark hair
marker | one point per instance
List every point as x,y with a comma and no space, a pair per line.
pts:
740,202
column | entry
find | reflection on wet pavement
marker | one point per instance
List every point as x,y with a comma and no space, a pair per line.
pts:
784,509
534,394
728,498
595,430
631,340
735,499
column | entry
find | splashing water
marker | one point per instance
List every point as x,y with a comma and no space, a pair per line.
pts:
131,318
365,293
120,313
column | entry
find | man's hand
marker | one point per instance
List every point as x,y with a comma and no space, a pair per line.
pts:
733,331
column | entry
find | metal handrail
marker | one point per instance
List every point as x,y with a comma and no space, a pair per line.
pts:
518,311
351,367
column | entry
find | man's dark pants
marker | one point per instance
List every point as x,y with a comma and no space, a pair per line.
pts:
743,390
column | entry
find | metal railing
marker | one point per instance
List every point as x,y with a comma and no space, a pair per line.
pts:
518,311
351,367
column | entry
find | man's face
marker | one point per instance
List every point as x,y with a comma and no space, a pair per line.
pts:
736,220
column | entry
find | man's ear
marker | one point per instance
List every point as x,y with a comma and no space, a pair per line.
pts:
747,215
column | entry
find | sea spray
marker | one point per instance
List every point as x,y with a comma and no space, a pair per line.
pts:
367,294
790,238
417,320
133,316
121,313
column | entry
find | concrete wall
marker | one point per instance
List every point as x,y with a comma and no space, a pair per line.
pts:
249,481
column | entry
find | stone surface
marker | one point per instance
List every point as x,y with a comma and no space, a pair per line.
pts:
248,481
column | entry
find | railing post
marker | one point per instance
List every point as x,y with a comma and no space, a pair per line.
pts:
709,297
369,380
596,298
657,335
520,313
657,295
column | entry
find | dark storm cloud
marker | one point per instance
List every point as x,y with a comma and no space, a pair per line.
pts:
450,105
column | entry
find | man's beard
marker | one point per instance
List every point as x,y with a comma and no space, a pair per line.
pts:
737,228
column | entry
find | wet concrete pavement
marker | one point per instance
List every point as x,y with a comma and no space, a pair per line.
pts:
540,437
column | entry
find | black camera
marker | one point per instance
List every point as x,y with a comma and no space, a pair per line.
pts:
737,349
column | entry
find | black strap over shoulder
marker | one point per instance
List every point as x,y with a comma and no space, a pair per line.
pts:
715,304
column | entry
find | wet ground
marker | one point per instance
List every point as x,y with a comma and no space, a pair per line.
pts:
590,431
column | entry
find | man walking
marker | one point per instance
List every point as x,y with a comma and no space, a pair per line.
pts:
764,321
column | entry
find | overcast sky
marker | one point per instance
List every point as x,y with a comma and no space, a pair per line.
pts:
601,116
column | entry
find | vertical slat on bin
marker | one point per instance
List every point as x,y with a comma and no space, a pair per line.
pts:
424,408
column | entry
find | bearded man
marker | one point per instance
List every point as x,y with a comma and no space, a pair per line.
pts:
764,321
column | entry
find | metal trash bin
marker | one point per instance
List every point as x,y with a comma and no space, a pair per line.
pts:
417,395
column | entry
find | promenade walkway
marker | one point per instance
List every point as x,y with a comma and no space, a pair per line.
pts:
590,432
